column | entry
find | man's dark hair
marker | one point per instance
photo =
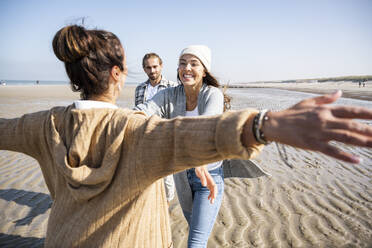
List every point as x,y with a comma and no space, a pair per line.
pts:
149,56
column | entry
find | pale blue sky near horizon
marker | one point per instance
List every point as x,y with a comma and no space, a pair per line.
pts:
250,40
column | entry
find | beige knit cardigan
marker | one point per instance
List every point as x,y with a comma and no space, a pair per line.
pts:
103,168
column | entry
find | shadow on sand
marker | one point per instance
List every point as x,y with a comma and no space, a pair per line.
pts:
9,241
38,202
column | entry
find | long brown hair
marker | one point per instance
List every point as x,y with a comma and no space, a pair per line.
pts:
89,55
209,79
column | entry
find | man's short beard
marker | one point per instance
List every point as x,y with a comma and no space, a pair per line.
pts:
154,77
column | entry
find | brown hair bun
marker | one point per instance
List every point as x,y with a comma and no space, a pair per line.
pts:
71,43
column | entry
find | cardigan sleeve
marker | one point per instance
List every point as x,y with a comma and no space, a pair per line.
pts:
155,106
168,146
24,134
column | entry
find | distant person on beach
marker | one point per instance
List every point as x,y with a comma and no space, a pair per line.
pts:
360,83
102,164
152,64
199,94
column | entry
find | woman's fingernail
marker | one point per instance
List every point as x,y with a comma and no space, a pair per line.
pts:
337,92
356,159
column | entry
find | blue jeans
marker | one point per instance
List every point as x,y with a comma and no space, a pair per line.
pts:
203,215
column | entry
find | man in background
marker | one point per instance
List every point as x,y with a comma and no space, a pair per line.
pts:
153,65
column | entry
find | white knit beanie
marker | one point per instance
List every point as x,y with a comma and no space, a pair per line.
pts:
203,53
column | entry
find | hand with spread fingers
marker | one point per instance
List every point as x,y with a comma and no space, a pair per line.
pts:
207,181
312,123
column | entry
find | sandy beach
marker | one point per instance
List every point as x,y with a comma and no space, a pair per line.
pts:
321,202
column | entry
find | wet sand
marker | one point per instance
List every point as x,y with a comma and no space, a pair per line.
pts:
349,89
321,202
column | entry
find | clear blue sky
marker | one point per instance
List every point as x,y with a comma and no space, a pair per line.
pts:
250,40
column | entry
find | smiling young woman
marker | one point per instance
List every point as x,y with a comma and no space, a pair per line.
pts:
201,206
200,190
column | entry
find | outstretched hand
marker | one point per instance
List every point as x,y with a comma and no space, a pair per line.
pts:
311,124
207,181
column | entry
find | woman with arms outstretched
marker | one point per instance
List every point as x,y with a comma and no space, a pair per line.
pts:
103,165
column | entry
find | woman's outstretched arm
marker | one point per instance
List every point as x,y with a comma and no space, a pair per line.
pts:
311,124
25,134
